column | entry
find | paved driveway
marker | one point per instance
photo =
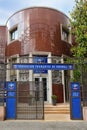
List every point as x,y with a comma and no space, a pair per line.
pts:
42,125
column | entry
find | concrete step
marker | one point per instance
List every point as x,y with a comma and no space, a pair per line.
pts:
50,109
57,112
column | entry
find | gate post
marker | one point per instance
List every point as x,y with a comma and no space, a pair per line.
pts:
75,101
11,100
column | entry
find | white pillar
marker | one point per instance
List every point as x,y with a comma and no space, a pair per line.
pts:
17,71
30,71
49,83
8,71
31,74
62,61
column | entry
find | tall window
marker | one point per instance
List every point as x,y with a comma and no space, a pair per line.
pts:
14,34
65,34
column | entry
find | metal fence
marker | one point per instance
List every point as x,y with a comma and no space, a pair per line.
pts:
2,94
30,100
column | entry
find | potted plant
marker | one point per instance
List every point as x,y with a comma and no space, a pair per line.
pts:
54,99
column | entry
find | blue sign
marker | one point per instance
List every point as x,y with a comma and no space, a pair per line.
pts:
11,94
76,111
40,60
10,108
11,100
75,94
75,86
11,86
49,66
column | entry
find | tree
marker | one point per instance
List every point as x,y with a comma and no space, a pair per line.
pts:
79,30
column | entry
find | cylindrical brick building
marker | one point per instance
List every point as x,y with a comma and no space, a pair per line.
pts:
41,35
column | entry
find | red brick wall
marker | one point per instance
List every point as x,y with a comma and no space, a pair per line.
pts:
44,28
13,48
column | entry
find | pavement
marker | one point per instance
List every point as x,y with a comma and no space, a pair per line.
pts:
42,125
51,122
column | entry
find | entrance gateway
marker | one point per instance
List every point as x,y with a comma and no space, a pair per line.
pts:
41,73
28,97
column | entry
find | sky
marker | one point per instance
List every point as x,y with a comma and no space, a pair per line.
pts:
9,7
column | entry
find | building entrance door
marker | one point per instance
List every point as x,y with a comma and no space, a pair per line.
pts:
44,83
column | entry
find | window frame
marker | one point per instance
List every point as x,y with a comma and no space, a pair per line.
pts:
13,33
67,31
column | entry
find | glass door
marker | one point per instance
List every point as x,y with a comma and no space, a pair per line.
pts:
44,82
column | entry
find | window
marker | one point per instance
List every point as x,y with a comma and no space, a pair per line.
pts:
14,34
65,34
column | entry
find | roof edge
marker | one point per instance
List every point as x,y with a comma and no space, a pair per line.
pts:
32,7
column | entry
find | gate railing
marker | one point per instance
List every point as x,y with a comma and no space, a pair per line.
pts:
2,94
30,100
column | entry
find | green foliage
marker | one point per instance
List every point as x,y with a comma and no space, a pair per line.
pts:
79,30
76,75
54,97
